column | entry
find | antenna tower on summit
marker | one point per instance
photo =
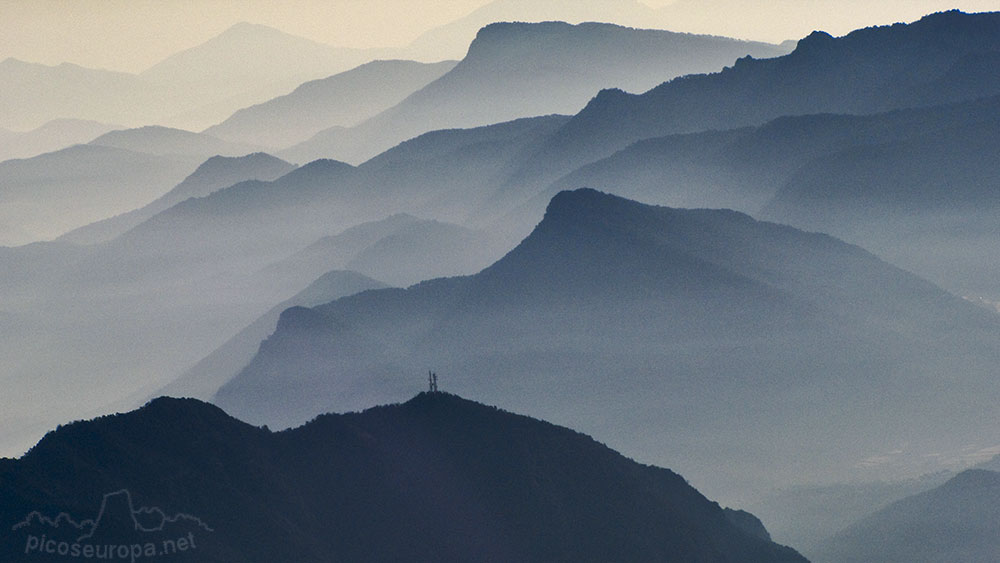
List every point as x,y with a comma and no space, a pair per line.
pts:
432,381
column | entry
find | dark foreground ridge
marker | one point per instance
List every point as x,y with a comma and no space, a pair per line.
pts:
438,478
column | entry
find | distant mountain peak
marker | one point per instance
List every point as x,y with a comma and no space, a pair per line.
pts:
814,41
321,167
579,201
218,161
591,204
245,25
250,30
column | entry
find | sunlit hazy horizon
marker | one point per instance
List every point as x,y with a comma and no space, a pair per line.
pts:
132,35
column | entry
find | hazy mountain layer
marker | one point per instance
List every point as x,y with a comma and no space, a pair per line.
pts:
253,224
805,516
193,89
685,318
214,174
958,521
50,194
927,202
896,183
401,249
54,135
246,64
333,252
517,70
438,478
195,268
165,141
205,378
343,100
35,94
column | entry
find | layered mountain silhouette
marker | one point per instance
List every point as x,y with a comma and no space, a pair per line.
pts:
334,251
342,100
688,315
212,175
50,194
205,378
401,250
280,57
165,141
52,136
934,189
193,89
807,515
195,267
244,65
35,94
517,70
957,521
255,224
438,478
941,58
895,183
706,329
747,167
425,250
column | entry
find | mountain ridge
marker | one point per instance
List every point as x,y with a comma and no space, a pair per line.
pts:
218,172
902,65
343,485
516,70
343,99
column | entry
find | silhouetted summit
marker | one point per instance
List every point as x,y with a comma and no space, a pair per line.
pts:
438,478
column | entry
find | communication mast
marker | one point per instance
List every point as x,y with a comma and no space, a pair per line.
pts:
432,381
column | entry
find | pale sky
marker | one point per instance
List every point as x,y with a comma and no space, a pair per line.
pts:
131,35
